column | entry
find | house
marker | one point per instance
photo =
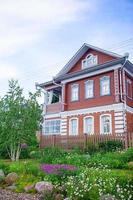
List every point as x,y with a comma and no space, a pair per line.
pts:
92,94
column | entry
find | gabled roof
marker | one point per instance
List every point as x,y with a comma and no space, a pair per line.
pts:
106,65
85,47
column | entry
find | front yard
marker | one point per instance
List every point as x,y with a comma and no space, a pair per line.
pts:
72,175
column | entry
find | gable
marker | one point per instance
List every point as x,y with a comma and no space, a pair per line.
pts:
104,56
101,59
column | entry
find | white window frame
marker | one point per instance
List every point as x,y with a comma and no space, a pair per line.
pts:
87,82
128,81
92,117
73,85
51,132
95,57
101,128
70,126
101,80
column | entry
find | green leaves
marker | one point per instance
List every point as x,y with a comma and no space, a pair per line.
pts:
19,119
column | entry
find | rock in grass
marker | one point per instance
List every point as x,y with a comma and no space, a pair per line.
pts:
11,178
44,187
107,197
28,188
12,187
2,175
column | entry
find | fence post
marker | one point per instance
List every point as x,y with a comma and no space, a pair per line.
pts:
85,141
54,140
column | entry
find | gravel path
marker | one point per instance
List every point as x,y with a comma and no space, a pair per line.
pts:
8,195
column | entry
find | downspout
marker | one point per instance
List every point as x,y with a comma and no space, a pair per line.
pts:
123,97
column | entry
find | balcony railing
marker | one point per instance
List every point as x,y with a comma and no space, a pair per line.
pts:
53,108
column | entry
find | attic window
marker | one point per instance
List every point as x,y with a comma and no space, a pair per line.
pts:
89,61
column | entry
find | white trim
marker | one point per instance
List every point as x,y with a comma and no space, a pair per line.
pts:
92,124
118,114
72,86
117,118
101,123
118,108
90,81
119,122
113,107
48,116
92,73
119,131
51,133
73,118
86,58
119,126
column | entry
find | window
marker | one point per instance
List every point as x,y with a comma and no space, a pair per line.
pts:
89,125
129,88
52,127
105,86
75,92
73,129
106,126
89,61
89,89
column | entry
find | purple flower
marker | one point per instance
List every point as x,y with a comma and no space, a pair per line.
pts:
24,146
56,169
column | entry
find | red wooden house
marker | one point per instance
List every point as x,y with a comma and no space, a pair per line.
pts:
92,94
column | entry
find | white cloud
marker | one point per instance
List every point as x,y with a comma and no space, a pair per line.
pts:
22,23
8,71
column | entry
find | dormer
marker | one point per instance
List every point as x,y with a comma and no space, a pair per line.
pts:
89,61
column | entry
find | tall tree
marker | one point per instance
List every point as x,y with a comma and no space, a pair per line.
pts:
19,119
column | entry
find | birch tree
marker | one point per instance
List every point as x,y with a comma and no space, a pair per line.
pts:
19,119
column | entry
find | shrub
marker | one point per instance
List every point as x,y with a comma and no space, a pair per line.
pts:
50,153
111,145
26,167
127,156
92,148
111,160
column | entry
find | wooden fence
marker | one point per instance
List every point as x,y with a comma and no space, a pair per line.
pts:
69,142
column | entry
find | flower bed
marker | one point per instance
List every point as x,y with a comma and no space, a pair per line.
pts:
56,169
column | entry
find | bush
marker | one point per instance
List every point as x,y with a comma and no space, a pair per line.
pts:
127,156
110,145
111,160
26,167
92,148
50,153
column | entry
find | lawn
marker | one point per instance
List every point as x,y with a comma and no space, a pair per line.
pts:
77,175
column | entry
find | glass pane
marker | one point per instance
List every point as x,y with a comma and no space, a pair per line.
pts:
88,125
73,126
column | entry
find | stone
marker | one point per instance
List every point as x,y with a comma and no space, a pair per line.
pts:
11,178
12,187
44,187
107,197
2,175
28,188
58,197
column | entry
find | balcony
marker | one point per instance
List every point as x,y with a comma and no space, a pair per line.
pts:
53,108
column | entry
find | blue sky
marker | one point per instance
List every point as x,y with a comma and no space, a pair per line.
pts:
37,37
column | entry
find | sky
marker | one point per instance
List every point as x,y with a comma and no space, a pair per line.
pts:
38,37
